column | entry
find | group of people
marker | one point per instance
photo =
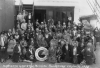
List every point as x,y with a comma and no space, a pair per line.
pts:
65,42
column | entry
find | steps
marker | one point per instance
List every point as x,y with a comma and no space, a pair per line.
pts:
28,7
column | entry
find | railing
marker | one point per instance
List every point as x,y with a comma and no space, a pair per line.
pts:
95,7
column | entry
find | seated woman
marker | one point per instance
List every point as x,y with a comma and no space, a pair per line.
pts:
52,51
16,53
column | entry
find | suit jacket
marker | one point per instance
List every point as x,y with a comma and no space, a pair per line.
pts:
27,18
28,54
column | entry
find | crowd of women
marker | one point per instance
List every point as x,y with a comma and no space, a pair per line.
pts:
65,42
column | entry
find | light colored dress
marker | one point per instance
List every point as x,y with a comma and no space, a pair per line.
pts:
11,45
97,55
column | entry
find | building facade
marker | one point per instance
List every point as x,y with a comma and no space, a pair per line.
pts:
59,10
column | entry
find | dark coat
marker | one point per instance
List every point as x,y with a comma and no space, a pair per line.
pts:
3,52
89,55
16,54
28,54
65,54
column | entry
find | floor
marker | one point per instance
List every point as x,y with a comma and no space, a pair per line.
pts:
10,64
38,64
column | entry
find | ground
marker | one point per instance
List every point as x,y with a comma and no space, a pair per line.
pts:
38,64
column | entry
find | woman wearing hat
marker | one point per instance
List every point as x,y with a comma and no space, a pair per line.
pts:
52,50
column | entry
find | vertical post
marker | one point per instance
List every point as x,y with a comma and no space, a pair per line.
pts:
20,6
33,13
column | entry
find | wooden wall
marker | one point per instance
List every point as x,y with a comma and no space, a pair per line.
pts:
6,14
57,12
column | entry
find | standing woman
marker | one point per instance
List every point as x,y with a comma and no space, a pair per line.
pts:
16,53
23,44
11,44
3,49
75,45
52,50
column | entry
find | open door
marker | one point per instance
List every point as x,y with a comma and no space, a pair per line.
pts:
40,15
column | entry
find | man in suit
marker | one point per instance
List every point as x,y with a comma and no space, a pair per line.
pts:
29,17
30,54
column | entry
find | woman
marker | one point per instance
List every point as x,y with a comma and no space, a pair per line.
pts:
11,44
47,36
29,25
16,53
59,52
3,49
24,25
31,42
64,26
52,51
75,45
23,44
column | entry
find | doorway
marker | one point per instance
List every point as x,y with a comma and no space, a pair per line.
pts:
40,15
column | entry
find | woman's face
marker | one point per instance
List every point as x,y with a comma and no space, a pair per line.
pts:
31,39
11,37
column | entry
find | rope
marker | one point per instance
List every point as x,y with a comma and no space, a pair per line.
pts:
92,9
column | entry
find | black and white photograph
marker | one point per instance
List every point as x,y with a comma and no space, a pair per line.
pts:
49,33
